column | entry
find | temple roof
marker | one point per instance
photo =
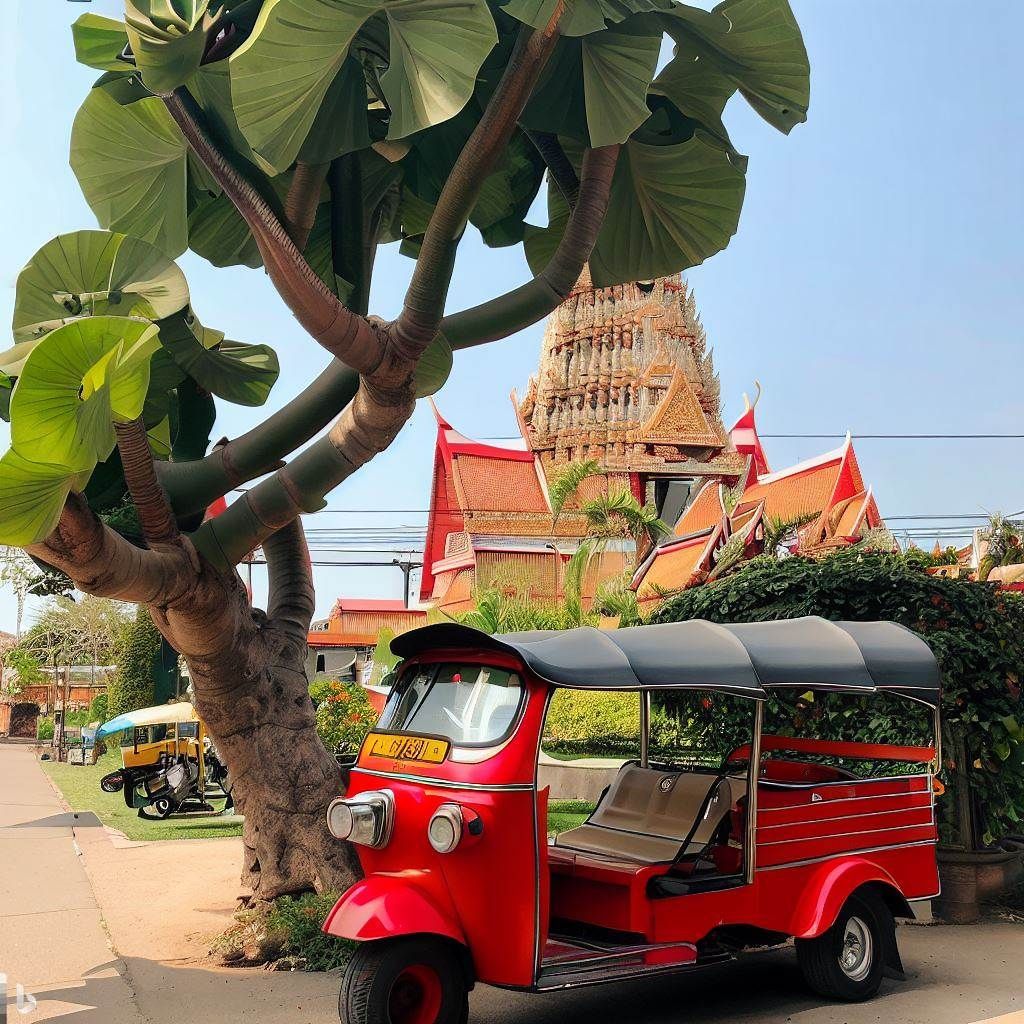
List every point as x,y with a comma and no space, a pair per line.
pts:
827,493
626,378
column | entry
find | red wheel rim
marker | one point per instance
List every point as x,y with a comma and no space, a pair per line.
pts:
415,996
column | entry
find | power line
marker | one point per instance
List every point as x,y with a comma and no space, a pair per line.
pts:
856,437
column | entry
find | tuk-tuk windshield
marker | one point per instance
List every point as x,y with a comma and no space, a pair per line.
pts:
471,705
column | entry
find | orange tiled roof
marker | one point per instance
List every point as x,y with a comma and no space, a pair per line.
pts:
361,627
491,485
788,495
849,514
675,566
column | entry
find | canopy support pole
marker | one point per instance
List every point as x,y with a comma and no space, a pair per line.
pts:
645,728
753,774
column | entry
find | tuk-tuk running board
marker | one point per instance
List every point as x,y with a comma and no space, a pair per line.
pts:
572,966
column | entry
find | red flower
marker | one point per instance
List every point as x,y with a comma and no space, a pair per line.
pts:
355,717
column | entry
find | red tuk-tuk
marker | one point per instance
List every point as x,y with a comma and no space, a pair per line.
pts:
685,861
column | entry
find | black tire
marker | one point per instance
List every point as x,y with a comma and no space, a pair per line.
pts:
414,980
848,961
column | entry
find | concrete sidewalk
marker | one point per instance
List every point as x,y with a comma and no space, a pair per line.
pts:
52,939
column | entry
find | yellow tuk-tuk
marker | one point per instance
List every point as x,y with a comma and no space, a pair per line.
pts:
169,765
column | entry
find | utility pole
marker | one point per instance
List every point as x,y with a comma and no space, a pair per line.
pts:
406,565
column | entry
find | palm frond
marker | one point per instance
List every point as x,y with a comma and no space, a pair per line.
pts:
566,483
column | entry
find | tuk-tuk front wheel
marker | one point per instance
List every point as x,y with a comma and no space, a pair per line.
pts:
415,980
848,961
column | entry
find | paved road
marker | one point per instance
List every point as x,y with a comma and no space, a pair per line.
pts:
54,941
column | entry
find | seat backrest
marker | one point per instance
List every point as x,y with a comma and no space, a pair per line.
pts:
654,802
648,815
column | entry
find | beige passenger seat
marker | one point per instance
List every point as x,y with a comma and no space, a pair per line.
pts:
647,815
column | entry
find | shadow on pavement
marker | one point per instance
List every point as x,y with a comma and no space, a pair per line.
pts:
67,819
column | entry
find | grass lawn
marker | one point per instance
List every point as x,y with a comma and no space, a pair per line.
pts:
566,814
81,788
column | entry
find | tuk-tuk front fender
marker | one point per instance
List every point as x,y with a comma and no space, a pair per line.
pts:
385,905
830,887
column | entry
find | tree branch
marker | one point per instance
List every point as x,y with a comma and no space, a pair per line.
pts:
424,301
562,172
505,315
192,486
155,516
346,335
302,200
292,598
101,562
365,428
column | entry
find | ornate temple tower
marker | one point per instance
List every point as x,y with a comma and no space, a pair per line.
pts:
626,379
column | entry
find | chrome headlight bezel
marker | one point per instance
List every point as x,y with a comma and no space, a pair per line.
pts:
367,819
448,816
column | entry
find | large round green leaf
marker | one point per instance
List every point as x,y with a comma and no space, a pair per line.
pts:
132,165
232,370
12,361
168,39
540,243
32,496
753,44
99,42
581,17
217,232
95,273
434,367
281,75
595,86
671,207
75,383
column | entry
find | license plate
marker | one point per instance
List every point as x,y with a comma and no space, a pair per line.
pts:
406,748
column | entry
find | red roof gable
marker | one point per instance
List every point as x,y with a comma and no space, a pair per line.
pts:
746,441
472,477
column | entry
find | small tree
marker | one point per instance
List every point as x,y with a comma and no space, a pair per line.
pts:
302,136
21,669
136,651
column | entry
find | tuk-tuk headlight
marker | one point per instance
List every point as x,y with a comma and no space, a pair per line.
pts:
445,828
366,819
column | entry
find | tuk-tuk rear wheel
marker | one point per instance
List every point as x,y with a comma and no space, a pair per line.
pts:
413,980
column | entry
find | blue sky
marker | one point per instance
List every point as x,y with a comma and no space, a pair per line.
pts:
874,284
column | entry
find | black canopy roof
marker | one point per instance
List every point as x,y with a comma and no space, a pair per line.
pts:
744,658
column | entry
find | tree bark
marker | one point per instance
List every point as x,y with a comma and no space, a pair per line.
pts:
254,699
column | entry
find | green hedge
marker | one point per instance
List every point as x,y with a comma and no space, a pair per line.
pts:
581,723
976,632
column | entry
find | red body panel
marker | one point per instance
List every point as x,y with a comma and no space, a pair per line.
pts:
815,845
818,839
491,882
382,906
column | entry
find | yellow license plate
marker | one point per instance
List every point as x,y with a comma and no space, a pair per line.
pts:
406,748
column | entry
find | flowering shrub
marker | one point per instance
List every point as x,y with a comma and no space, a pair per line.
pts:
344,715
975,630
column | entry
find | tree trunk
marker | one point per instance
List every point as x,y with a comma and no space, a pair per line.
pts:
254,700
